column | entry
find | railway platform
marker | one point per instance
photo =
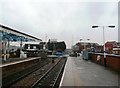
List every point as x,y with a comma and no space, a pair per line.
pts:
79,72
16,60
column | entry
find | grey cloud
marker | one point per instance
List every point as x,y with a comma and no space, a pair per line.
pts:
59,20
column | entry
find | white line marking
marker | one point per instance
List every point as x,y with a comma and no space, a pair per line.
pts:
63,75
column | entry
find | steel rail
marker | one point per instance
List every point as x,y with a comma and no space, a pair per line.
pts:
24,75
33,86
61,70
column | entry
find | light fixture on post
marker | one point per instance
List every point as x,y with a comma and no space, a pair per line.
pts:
104,40
84,42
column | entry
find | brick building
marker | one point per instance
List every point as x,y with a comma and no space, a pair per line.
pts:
110,45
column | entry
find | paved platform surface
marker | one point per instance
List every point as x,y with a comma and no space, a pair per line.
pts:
78,72
13,60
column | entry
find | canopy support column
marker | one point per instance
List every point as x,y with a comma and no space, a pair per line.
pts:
5,50
20,48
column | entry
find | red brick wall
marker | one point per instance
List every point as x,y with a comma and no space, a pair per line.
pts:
113,62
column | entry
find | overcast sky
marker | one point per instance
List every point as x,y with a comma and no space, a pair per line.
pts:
67,20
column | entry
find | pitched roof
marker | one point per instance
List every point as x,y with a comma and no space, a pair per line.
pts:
16,31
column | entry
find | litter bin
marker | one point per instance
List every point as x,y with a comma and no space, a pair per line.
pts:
85,55
89,55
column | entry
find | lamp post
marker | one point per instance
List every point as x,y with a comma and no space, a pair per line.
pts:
85,52
46,42
84,42
104,40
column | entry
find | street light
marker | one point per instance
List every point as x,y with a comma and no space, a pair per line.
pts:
84,42
81,39
104,40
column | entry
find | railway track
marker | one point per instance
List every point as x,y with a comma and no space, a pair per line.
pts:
41,70
10,80
52,77
27,82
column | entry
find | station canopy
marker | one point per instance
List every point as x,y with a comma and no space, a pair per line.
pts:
10,34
